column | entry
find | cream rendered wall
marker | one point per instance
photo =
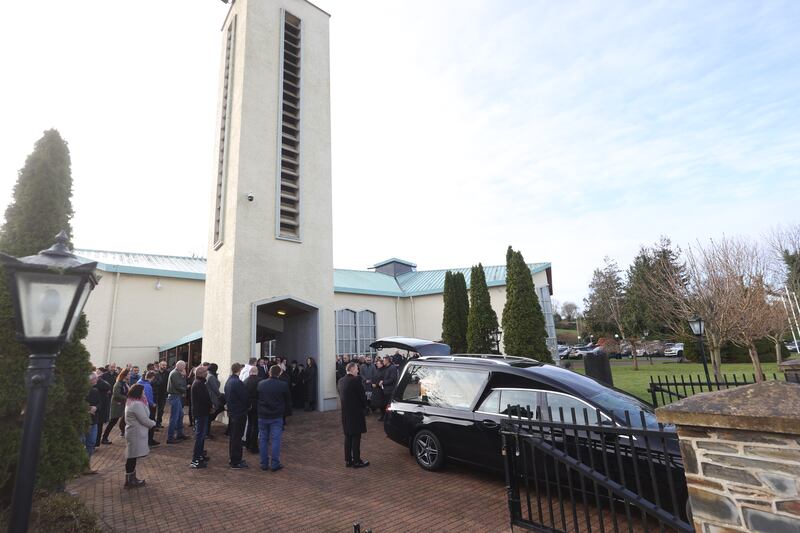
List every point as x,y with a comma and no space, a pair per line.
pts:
98,313
145,317
252,264
384,307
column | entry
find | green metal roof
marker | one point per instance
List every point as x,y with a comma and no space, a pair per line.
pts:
432,281
365,282
416,283
163,266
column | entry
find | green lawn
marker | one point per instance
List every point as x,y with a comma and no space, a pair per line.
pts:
636,382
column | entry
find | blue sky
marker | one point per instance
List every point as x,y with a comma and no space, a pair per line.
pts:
571,130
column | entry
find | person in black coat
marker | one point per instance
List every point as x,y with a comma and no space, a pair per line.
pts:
237,403
376,402
104,390
251,383
387,383
354,423
201,399
310,382
298,390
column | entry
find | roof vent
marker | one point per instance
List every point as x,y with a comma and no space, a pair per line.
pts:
394,267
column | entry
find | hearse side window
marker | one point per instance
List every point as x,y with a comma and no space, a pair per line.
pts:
491,404
520,402
441,386
564,403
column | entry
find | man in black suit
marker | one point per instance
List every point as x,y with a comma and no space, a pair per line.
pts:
354,423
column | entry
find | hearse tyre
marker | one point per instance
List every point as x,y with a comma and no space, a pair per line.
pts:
427,450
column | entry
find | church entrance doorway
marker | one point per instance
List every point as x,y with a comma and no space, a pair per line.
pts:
285,327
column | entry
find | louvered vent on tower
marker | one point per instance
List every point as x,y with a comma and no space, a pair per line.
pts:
289,191
224,128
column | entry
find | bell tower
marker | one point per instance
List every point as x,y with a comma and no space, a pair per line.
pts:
269,280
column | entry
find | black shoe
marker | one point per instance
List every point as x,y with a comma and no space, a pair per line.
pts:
173,441
182,437
264,468
239,466
198,464
360,464
106,442
349,464
276,468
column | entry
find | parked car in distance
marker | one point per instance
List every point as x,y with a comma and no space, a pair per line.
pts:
674,350
793,346
578,352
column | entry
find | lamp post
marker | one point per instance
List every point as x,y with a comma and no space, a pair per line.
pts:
48,290
698,328
496,334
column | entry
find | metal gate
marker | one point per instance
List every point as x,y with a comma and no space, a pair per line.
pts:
582,472
669,388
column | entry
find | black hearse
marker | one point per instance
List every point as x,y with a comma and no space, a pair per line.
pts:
451,407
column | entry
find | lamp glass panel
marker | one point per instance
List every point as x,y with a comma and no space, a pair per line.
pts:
44,301
697,326
87,288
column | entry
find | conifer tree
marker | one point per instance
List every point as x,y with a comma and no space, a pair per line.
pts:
482,321
524,331
456,309
462,303
40,208
449,332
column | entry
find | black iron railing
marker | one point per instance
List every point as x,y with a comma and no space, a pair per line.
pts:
576,472
667,389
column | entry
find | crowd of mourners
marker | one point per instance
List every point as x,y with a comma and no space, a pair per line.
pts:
257,397
378,377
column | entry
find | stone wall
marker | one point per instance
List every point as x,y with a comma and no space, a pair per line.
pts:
742,480
741,450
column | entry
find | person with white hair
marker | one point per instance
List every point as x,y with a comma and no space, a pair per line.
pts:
176,390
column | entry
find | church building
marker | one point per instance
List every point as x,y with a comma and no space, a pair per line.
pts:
268,284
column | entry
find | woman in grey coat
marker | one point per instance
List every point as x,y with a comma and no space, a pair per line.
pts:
137,426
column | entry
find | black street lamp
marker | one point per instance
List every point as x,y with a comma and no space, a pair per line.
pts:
48,290
698,328
496,334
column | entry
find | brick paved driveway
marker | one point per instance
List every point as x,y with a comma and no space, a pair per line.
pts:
315,492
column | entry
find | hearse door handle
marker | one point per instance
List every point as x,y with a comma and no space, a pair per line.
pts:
490,424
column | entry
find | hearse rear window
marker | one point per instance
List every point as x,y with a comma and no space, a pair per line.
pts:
441,386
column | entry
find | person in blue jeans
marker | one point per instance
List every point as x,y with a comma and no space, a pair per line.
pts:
274,403
176,390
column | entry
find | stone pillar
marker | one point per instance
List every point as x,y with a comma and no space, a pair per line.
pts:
741,450
792,370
